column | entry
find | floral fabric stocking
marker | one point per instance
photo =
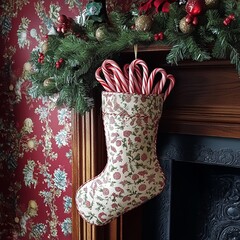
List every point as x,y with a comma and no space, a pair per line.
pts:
132,174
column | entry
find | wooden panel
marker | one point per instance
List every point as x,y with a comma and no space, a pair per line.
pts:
205,101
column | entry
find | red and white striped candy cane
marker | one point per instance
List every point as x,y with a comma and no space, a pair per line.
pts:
137,77
170,87
159,85
132,67
117,74
107,72
126,71
101,81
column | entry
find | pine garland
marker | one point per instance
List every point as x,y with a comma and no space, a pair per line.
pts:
70,61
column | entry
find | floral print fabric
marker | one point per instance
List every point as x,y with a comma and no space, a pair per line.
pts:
132,174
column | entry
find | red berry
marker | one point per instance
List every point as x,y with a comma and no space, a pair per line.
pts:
226,21
189,18
231,16
60,60
156,37
195,21
57,64
161,35
63,29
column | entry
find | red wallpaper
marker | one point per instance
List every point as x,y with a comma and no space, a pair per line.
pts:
35,136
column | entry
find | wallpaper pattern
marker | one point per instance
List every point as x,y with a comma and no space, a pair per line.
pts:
35,136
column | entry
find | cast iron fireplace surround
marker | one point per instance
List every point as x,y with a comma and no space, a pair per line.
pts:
201,200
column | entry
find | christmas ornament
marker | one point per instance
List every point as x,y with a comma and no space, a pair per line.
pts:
101,34
143,23
131,106
44,47
47,82
211,3
27,66
185,27
194,8
65,24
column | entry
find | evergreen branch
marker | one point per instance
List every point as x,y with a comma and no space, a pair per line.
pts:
74,80
177,53
234,57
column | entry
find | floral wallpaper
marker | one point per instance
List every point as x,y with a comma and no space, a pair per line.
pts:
35,135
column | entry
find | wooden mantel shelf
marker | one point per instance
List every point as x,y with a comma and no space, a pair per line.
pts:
205,101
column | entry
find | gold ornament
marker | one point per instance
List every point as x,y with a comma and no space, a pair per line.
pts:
27,66
47,82
44,47
211,3
100,34
143,23
185,27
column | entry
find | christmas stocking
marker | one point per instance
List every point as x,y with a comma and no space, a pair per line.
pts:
132,174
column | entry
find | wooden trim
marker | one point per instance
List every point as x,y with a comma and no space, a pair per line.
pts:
83,169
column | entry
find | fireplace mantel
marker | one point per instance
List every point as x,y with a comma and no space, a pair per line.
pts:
205,101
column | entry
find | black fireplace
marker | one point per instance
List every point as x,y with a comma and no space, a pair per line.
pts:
201,199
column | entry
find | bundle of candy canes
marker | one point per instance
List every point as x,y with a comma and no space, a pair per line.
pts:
134,78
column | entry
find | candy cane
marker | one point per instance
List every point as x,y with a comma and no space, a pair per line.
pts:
117,75
170,87
136,79
109,79
144,77
160,84
126,71
139,77
132,79
101,81
121,78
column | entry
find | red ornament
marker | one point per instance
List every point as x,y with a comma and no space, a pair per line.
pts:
193,9
62,18
64,24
